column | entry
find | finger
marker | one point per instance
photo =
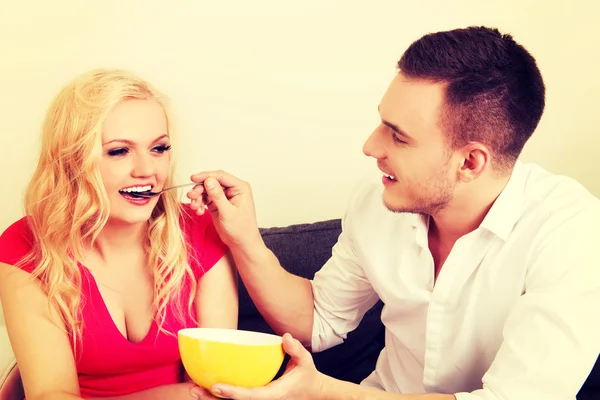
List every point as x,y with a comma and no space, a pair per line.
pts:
205,199
197,199
224,178
215,192
294,348
198,207
199,393
199,204
196,192
242,393
232,192
212,208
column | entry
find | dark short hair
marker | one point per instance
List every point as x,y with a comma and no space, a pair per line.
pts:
495,93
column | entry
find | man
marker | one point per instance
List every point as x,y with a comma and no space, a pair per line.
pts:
486,266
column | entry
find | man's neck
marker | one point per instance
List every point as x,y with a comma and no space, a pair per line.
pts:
467,212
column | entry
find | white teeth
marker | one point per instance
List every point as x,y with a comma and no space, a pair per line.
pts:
137,189
390,177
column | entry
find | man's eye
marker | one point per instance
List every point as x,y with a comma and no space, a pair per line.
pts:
118,152
162,148
397,139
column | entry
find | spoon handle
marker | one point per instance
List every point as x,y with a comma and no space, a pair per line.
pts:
179,186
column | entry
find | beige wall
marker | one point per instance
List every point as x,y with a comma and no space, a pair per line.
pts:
282,93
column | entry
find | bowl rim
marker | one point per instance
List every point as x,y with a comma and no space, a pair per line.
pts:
273,339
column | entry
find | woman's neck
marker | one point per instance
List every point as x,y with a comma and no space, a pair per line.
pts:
118,239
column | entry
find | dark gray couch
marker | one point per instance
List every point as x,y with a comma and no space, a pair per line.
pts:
303,249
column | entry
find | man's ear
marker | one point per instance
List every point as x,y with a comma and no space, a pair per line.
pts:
475,160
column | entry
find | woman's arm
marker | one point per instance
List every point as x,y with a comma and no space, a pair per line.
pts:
217,296
177,391
38,338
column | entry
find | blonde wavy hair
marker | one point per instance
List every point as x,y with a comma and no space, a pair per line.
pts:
67,205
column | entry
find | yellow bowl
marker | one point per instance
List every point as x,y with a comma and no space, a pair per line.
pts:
234,357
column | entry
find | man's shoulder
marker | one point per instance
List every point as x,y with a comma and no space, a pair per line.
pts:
554,203
554,194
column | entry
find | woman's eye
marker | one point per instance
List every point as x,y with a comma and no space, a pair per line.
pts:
118,152
162,148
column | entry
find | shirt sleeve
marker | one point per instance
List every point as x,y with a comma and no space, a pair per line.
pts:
342,293
206,247
552,335
16,243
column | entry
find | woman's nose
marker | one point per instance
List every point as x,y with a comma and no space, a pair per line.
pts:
144,166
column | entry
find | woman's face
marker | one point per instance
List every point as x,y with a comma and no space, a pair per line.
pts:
135,157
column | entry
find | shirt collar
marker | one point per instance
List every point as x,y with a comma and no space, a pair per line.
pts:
420,223
503,215
508,207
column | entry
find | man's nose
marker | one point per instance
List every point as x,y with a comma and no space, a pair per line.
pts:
373,146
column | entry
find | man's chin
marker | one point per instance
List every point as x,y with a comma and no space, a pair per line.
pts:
395,206
401,207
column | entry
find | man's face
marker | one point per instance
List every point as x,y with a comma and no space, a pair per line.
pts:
411,149
135,157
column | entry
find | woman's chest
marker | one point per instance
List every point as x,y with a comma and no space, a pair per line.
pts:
127,291
104,349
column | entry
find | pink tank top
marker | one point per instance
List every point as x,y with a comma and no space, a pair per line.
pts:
108,364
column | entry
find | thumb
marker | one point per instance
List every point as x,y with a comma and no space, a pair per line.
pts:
295,349
215,193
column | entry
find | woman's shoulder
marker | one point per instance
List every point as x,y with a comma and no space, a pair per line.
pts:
16,242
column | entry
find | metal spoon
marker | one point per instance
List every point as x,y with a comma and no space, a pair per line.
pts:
152,194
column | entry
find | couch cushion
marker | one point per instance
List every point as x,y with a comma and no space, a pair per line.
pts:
302,249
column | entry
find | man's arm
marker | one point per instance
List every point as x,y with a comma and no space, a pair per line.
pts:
319,313
268,283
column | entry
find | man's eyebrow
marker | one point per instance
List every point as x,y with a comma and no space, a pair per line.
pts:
131,143
393,127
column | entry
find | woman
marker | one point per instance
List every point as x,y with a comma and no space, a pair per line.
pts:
95,282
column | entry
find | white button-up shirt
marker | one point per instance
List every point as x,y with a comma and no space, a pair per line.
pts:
514,313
